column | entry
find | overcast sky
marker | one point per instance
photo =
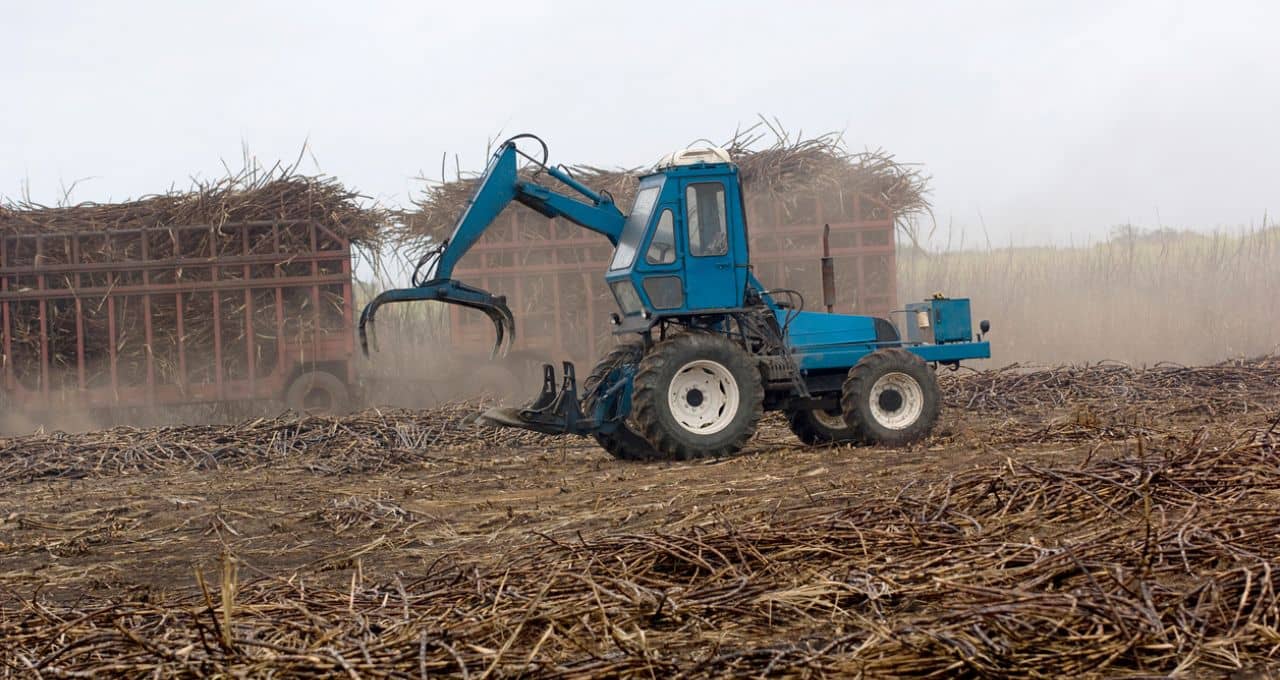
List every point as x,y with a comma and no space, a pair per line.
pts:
1045,121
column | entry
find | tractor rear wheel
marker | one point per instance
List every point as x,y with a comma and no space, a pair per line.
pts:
696,395
816,427
624,443
891,397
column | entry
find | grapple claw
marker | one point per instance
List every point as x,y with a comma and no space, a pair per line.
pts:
452,292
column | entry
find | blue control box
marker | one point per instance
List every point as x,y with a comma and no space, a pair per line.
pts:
939,321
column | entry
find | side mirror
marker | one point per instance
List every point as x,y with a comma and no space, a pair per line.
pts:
984,326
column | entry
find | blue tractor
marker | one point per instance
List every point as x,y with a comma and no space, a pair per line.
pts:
708,348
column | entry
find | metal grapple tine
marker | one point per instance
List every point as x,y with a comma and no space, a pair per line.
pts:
366,327
450,291
504,324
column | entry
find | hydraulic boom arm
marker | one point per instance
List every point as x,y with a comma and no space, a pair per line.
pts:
499,185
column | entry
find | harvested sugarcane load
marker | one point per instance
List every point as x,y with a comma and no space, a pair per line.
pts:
276,195
793,185
235,290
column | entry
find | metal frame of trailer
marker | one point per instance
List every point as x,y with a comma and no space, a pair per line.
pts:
276,278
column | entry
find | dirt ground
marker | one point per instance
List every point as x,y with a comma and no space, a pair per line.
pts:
153,530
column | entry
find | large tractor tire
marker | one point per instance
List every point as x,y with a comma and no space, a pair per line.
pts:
318,393
818,427
891,398
697,395
625,443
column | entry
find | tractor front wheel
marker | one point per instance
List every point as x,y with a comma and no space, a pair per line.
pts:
697,395
891,397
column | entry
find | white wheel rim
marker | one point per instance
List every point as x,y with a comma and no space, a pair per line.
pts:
897,400
703,397
831,421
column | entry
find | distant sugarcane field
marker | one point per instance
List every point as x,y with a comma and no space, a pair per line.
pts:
1138,297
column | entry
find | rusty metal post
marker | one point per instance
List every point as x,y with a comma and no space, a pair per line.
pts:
81,372
111,338
348,308
276,273
44,321
214,291
250,341
80,367
148,331
182,343
251,360
315,293
217,339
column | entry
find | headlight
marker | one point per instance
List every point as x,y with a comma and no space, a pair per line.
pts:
628,300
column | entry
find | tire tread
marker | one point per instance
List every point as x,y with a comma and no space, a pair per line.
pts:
649,398
857,387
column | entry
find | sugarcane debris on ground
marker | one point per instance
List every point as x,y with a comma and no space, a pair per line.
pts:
1096,520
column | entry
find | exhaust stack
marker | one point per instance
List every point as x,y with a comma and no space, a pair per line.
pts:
828,271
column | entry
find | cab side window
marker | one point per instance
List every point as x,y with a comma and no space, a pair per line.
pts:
662,248
708,233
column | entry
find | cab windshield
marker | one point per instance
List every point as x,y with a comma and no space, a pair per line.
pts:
634,228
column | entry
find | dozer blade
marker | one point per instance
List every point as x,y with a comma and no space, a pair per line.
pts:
554,411
452,292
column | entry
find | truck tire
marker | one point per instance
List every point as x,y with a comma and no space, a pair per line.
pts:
318,393
696,395
891,398
625,443
817,427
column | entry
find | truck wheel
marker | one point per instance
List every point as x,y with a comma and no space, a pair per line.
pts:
820,426
891,397
625,443
697,394
318,393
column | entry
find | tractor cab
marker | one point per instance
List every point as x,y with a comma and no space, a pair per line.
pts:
683,248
